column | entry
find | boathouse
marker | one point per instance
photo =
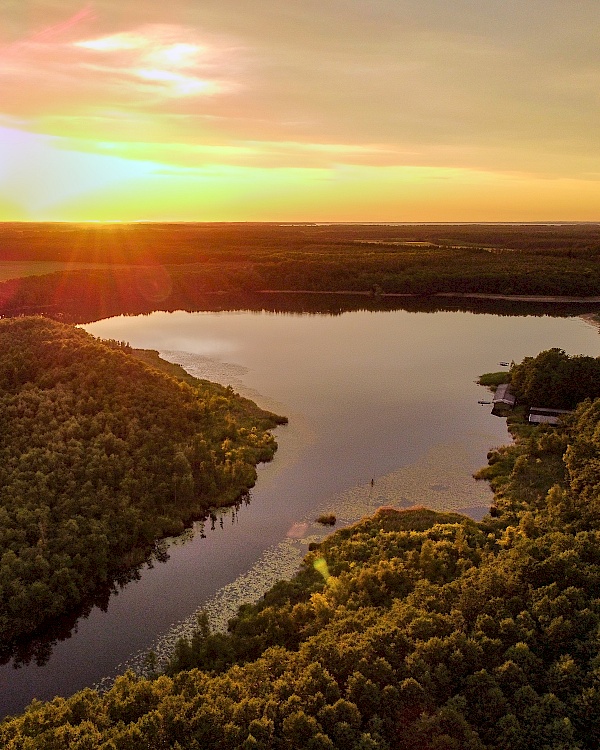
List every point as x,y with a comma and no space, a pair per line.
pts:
540,415
504,395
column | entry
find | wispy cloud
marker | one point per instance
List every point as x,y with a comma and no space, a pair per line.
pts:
51,73
158,59
59,29
247,153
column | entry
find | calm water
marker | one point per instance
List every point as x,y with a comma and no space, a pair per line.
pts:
388,396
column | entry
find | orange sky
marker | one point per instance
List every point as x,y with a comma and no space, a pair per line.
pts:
307,110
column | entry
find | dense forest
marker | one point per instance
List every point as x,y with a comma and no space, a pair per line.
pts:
183,243
410,629
101,455
142,267
559,380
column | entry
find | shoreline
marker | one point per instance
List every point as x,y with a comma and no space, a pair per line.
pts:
591,319
125,566
241,299
553,298
441,480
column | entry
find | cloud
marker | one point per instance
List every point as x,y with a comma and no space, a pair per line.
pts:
257,154
159,60
140,69
504,85
59,29
44,178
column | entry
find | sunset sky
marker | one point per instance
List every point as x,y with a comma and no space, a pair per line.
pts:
300,110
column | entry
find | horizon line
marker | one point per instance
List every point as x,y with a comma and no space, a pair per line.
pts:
96,222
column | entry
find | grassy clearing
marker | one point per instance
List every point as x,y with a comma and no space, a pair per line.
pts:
492,380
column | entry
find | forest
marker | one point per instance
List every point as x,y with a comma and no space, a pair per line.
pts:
141,267
559,380
409,629
101,454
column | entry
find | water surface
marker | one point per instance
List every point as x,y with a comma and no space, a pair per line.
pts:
388,396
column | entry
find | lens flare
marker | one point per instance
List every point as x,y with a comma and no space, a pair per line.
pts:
320,565
154,283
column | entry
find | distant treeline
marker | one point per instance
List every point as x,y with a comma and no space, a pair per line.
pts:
87,296
410,629
101,455
178,265
183,243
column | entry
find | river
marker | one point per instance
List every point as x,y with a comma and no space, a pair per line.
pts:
383,396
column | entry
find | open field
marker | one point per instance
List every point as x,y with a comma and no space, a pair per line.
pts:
16,269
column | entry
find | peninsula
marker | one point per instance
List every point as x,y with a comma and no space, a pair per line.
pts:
101,455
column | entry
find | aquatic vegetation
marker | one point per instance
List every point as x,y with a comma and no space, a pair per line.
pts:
493,379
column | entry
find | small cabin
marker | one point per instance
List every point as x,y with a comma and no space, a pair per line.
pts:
504,395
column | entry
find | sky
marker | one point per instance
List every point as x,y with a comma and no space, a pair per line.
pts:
300,110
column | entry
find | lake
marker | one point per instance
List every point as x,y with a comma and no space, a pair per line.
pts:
383,396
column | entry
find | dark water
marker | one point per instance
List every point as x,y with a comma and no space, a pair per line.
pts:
388,396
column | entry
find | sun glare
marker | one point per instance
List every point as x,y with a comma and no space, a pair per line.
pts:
178,55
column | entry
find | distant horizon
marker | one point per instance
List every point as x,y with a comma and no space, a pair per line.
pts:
99,222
